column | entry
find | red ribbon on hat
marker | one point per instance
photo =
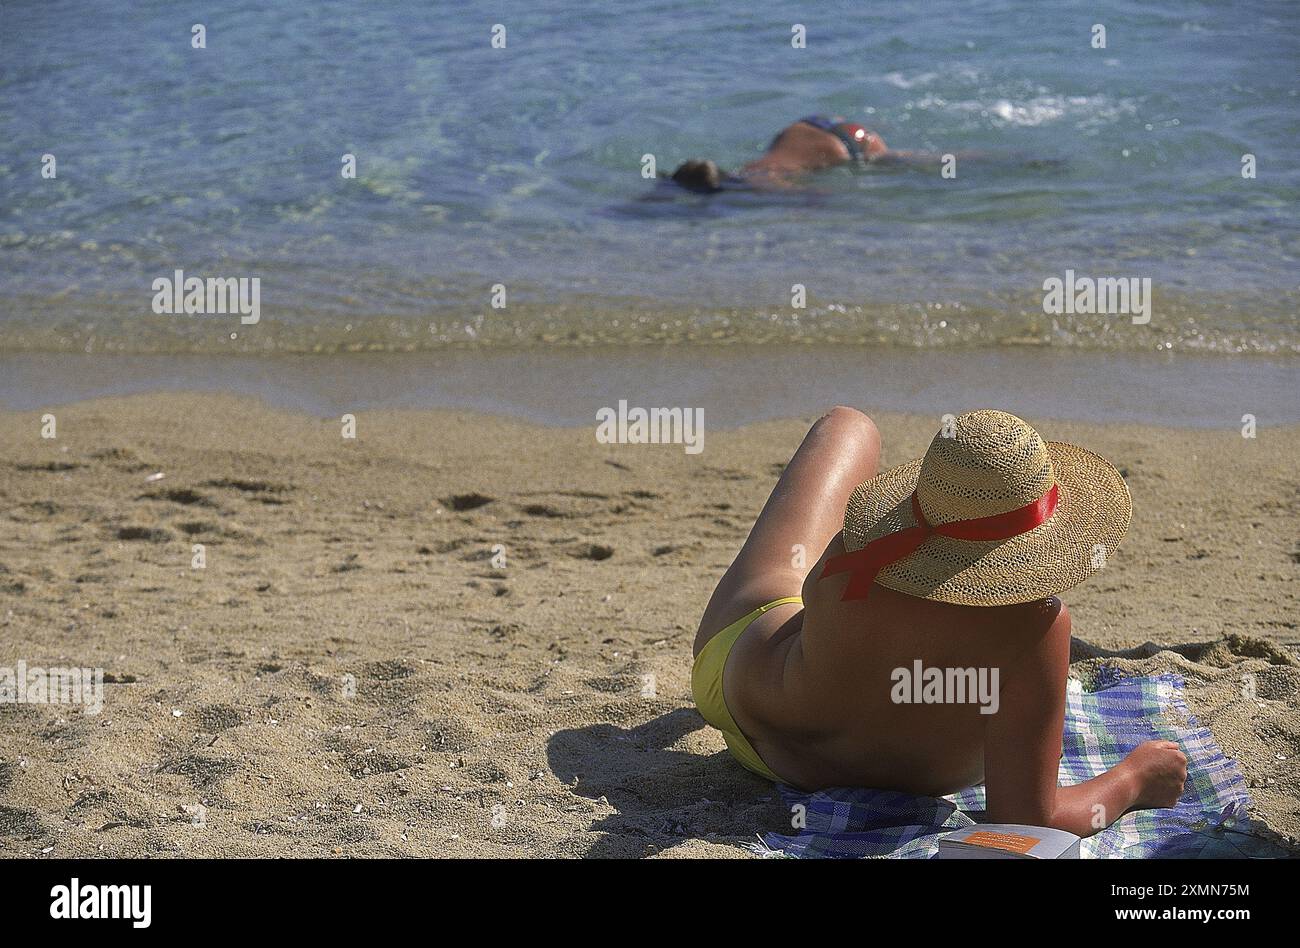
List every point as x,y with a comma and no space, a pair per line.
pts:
864,564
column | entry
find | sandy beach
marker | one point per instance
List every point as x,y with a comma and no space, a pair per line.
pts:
458,635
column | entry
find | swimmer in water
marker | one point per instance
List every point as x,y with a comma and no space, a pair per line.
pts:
816,143
810,144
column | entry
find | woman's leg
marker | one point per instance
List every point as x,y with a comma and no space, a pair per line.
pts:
803,514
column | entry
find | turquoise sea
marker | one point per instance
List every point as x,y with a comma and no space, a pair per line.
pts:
520,168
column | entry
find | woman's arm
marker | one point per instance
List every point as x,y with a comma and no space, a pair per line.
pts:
1150,777
1023,746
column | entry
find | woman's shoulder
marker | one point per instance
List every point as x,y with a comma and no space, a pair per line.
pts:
860,625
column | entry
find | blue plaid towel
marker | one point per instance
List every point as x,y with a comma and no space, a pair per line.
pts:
1101,727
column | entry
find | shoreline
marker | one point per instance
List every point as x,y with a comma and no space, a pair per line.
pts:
734,384
464,635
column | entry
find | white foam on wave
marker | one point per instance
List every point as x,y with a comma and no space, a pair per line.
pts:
1038,110
900,81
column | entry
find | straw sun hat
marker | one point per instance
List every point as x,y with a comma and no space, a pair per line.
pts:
1004,517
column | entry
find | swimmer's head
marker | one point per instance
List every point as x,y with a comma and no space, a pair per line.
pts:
699,174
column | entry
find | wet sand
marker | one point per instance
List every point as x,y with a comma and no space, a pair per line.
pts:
736,384
354,673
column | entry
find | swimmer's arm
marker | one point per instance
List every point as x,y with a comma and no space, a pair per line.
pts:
934,159
911,159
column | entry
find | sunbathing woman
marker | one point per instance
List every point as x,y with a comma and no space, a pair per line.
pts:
954,562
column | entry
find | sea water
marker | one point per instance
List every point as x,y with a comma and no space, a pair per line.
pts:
497,195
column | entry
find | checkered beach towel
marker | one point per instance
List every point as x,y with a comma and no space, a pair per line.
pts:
1101,727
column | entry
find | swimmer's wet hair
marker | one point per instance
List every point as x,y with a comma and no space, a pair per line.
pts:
699,174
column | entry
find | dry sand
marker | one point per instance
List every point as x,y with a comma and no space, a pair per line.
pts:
542,708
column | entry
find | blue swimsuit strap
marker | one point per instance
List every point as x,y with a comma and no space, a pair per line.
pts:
832,126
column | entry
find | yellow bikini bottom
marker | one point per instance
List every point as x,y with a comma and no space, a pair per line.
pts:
706,685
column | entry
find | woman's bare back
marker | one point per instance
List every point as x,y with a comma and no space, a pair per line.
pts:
831,699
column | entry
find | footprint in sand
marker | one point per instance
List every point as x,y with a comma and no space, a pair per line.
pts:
50,466
264,492
594,551
150,534
180,495
470,501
